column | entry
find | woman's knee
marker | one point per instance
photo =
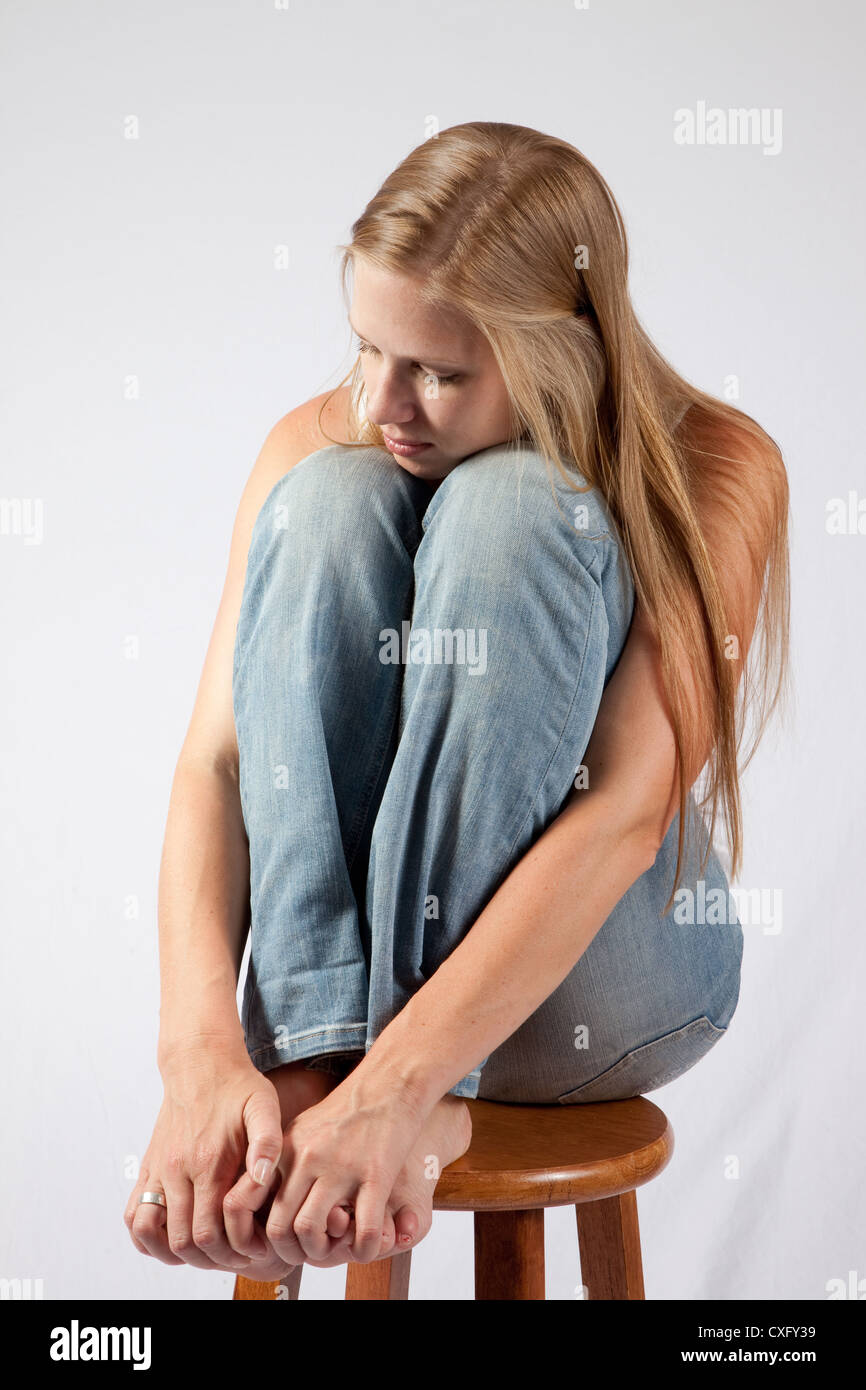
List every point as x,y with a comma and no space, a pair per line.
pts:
510,498
339,477
353,495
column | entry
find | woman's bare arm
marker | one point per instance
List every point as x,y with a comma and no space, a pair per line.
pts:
218,1110
204,873
545,914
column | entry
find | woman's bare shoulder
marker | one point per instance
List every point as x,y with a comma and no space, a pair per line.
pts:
729,457
211,737
737,481
315,424
739,488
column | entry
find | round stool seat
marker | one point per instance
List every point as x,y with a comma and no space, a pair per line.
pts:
527,1156
523,1158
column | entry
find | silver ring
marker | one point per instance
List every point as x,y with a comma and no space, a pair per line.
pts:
157,1198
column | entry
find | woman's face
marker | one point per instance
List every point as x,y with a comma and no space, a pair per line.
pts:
430,376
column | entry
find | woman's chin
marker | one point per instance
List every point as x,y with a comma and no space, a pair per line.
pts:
428,471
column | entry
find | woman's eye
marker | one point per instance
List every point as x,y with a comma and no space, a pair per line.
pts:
362,346
443,380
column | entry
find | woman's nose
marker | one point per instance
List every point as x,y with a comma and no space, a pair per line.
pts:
390,402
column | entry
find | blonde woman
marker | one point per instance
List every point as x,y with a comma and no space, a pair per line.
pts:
485,624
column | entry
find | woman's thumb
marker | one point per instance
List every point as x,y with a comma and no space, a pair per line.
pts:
264,1134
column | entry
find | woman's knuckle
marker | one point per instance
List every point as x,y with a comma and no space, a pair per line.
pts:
203,1156
278,1230
375,1172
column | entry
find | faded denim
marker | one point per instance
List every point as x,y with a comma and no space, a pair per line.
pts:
385,801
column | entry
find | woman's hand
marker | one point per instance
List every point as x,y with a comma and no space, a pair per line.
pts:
347,1151
217,1111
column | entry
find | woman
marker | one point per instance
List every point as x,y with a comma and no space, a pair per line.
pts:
487,609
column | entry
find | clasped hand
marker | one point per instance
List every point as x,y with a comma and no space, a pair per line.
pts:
332,1199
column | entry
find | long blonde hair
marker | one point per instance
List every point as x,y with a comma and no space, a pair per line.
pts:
520,232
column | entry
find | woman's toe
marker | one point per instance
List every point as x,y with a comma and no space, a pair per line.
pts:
408,1225
338,1222
389,1237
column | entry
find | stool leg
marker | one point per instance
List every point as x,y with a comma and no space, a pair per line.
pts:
287,1288
609,1240
509,1254
381,1279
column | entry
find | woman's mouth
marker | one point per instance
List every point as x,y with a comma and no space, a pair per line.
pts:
405,448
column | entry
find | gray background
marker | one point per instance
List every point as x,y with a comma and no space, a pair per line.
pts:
154,258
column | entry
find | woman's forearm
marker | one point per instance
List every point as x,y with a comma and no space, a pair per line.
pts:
542,918
203,913
529,936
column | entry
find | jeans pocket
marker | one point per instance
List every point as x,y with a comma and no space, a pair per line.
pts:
653,1065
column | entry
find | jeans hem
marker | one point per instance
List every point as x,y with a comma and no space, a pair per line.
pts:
467,1089
338,1040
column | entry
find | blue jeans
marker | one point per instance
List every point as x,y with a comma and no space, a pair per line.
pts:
416,676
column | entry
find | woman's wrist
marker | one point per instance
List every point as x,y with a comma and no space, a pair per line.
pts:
391,1072
189,1050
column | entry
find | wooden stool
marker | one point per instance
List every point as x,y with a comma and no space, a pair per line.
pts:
522,1159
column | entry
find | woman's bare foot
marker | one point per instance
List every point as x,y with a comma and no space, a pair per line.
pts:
445,1137
298,1088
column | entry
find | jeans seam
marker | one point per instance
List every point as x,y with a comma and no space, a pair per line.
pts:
354,834
306,1034
595,597
632,1053
508,856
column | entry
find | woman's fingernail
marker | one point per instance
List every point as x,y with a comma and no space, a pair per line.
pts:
261,1170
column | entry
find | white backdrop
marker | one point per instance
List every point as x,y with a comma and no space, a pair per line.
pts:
151,260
